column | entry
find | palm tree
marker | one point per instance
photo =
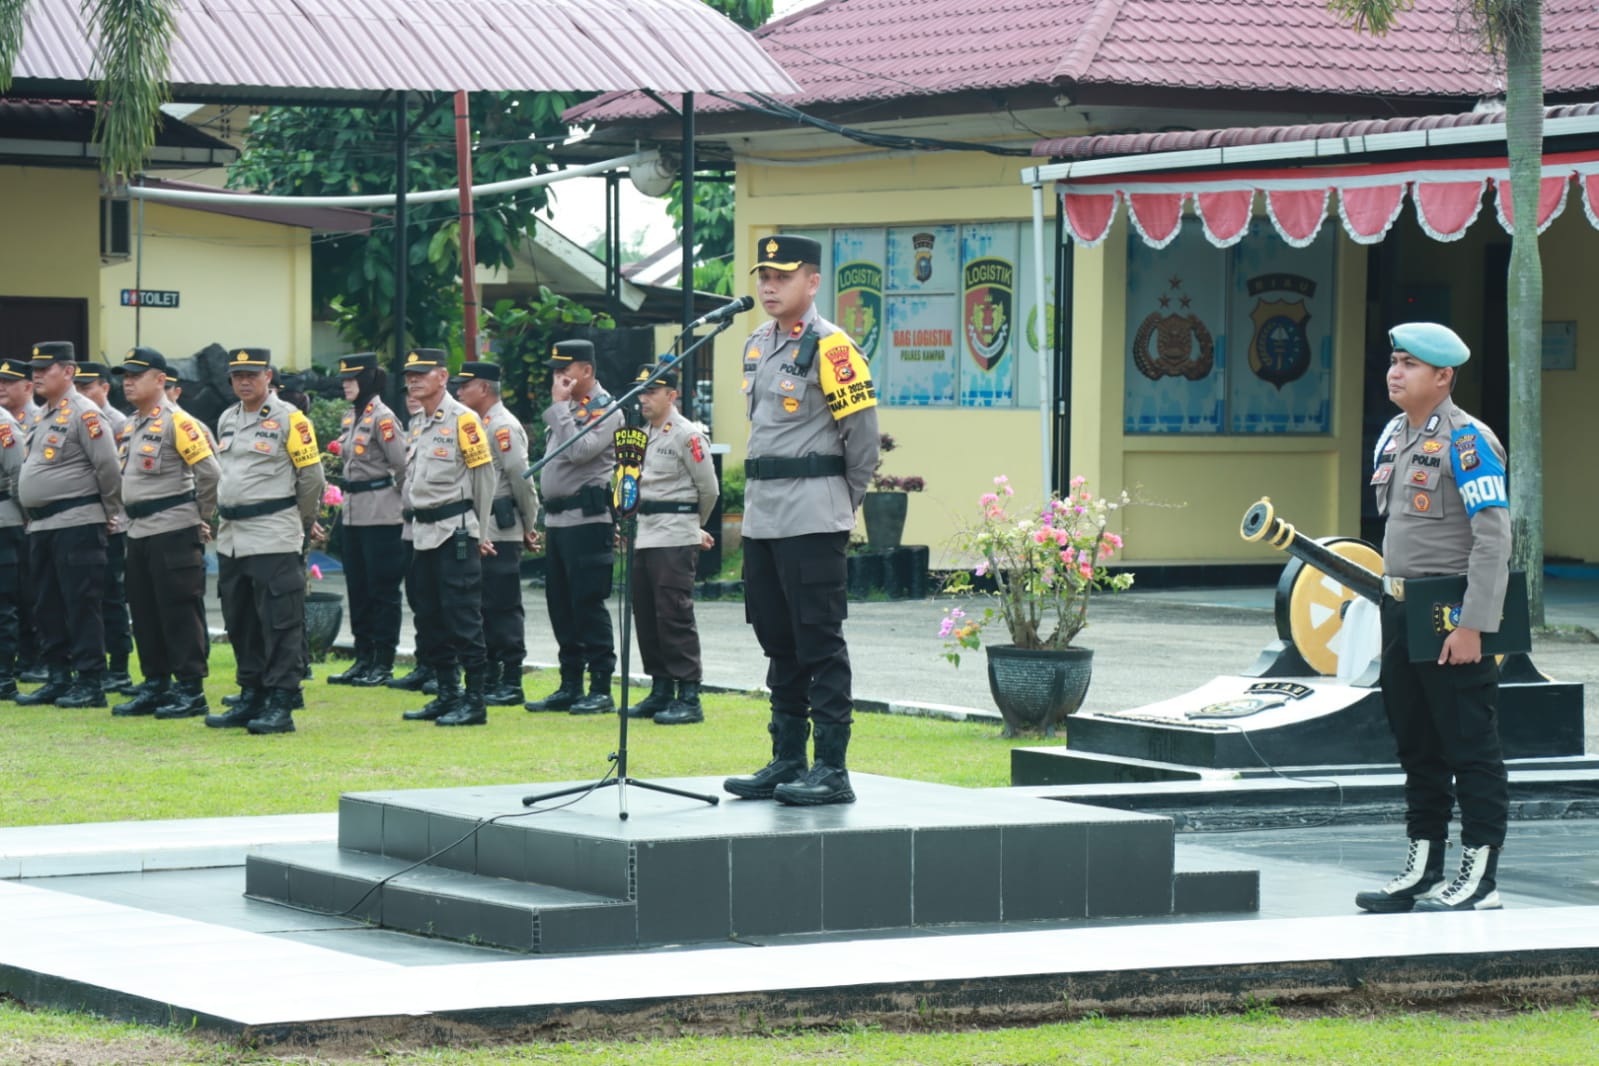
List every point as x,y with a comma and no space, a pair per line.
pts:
1512,29
134,56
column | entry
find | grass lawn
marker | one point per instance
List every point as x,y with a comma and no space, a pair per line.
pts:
86,766
79,766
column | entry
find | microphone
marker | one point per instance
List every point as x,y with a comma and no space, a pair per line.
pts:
723,313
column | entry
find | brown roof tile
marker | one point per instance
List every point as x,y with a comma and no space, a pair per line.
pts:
843,51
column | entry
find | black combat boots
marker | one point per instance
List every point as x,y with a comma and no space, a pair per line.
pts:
685,709
789,734
449,685
1475,887
1423,875
8,684
658,700
87,690
252,702
53,689
420,675
827,781
468,708
507,691
363,663
598,701
185,699
380,673
561,699
277,715
116,678
151,695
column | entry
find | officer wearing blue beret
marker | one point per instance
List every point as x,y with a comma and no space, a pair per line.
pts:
1439,477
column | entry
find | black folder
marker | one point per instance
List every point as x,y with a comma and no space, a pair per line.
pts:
1432,611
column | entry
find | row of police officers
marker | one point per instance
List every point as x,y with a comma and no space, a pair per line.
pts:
440,503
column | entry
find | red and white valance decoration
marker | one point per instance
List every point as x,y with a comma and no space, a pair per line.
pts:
1447,195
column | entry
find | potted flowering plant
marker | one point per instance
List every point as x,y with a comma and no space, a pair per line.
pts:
1044,565
885,505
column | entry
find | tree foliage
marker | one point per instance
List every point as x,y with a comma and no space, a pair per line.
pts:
713,233
523,335
309,151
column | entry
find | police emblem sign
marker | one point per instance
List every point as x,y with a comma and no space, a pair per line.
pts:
1279,351
860,303
988,284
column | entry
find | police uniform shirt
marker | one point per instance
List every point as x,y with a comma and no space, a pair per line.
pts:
11,447
166,452
591,461
119,426
448,462
373,447
1442,489
677,469
508,445
827,408
70,452
270,454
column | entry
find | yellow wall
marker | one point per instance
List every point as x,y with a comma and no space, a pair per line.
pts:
1316,482
51,223
241,283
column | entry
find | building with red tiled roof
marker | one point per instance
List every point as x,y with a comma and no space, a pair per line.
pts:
903,154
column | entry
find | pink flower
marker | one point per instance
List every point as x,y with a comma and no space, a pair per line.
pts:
1113,540
1068,555
946,626
982,568
333,496
1061,537
1079,509
1086,569
1001,479
988,500
956,612
316,571
1040,536
1079,480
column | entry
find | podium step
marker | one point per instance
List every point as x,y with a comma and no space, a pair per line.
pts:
436,901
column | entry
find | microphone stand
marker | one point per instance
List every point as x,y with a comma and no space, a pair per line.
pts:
627,527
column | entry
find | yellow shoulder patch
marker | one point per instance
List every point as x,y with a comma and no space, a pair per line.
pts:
302,441
845,378
189,438
474,441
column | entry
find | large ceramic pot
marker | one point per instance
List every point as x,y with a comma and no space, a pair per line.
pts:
1036,690
324,613
885,519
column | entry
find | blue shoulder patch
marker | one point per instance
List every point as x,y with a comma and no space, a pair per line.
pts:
1479,473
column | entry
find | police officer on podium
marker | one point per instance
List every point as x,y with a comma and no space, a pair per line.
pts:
449,492
271,487
515,512
70,489
169,489
94,381
579,550
1439,477
677,491
14,374
812,447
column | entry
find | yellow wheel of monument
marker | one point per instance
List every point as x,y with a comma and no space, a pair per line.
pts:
1316,602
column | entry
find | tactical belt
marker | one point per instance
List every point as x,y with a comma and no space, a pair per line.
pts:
811,465
256,510
369,486
146,508
438,514
593,499
55,507
667,507
4,496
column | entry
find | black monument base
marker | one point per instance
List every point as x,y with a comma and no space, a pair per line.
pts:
1244,723
472,864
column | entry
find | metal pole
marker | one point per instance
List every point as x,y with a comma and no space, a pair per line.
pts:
463,167
138,282
401,227
687,236
1046,340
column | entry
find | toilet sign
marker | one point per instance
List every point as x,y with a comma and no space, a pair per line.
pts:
149,297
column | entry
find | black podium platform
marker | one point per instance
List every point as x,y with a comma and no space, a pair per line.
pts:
470,864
